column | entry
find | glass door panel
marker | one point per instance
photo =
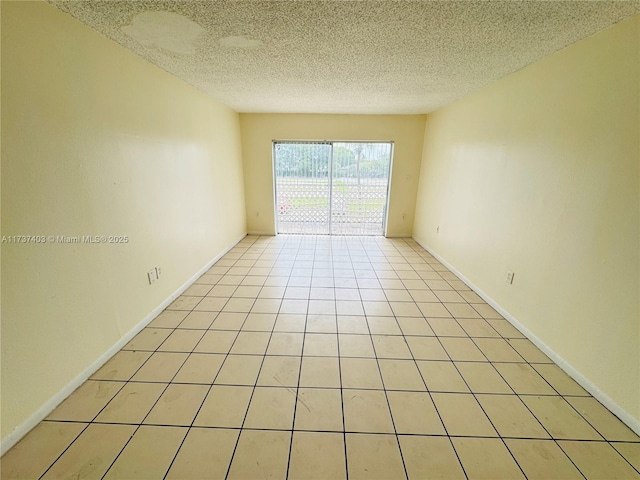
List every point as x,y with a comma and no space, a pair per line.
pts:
360,183
302,172
337,188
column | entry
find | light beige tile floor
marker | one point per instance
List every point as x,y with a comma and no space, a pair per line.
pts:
328,357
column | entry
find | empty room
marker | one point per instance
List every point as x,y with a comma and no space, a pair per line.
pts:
320,239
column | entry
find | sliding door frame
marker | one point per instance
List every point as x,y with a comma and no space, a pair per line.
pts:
331,143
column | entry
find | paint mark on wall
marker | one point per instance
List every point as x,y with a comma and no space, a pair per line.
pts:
166,30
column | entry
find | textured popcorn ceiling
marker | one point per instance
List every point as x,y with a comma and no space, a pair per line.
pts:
344,56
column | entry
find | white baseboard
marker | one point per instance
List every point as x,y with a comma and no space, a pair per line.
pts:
632,422
262,234
25,427
400,235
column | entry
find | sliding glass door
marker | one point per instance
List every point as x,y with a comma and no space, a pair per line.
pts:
338,188
302,187
360,183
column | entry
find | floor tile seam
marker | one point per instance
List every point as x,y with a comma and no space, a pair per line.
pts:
583,417
156,402
74,440
415,362
451,392
393,422
480,404
558,393
136,429
491,422
591,441
520,395
351,432
295,407
204,398
455,451
255,386
176,328
556,442
129,380
344,435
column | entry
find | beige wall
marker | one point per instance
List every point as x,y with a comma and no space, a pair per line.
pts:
259,130
538,174
97,141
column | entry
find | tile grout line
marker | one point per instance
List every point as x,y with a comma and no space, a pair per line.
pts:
124,384
151,408
297,395
435,407
527,362
479,404
395,258
476,398
344,420
164,390
463,378
255,385
551,437
386,395
449,437
450,392
439,435
492,363
256,380
213,381
208,390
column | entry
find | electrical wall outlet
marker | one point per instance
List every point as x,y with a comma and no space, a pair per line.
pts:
158,272
152,275
510,277
438,229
